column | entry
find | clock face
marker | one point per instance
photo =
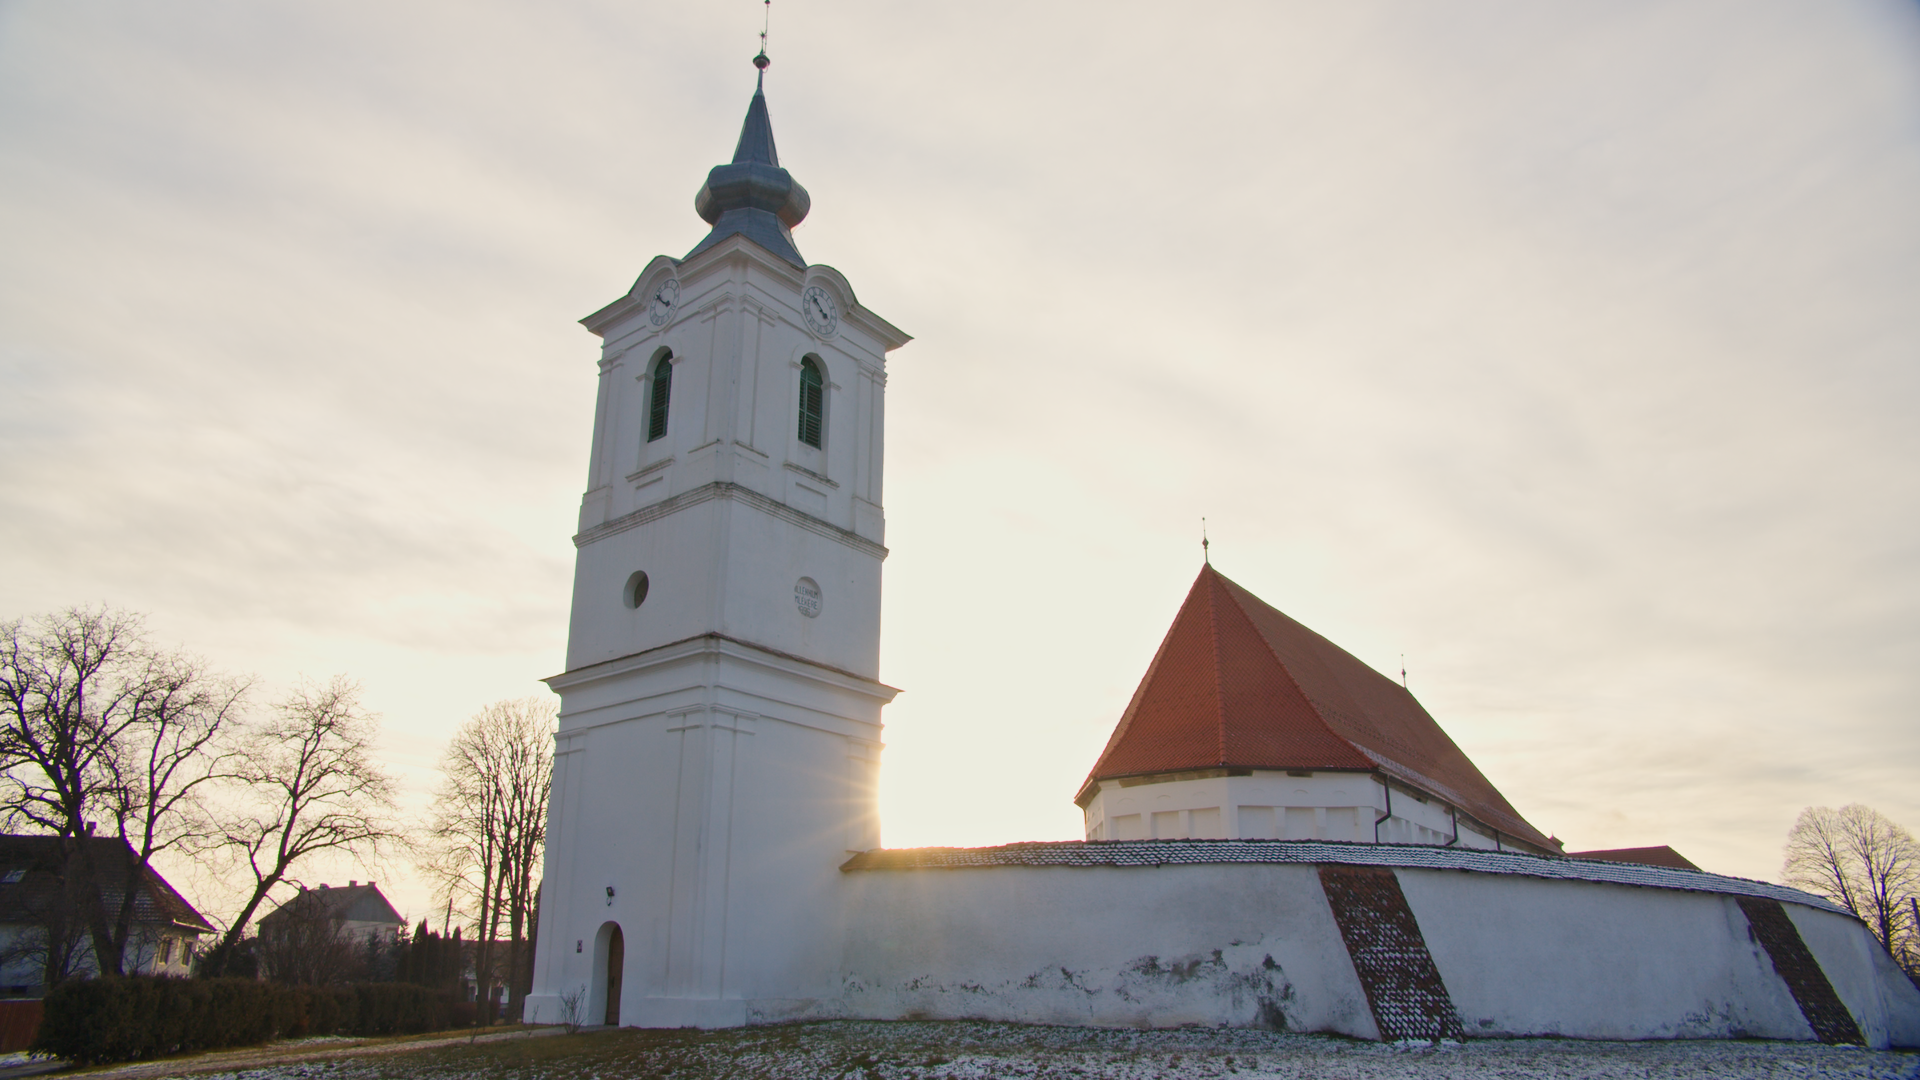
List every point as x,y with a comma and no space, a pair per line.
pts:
666,297
822,314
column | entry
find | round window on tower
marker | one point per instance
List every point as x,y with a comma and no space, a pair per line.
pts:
806,596
635,592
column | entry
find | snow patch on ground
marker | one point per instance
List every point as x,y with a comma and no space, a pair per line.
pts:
978,1051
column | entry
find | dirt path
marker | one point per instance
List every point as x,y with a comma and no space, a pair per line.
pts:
254,1057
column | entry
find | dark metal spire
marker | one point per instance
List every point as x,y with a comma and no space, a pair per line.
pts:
753,196
756,135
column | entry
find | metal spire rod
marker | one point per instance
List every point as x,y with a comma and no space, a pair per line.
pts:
1204,556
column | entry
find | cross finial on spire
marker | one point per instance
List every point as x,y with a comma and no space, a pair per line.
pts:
1204,556
766,18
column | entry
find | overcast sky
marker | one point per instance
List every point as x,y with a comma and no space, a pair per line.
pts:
1571,350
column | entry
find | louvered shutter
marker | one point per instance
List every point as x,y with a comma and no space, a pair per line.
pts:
657,403
813,402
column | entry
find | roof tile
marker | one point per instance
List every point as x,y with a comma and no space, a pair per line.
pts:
1659,855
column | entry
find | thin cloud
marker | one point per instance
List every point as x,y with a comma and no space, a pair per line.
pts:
1566,351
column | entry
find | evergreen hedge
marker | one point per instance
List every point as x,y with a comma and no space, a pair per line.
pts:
95,1021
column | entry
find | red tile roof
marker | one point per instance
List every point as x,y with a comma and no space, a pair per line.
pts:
1237,684
1660,855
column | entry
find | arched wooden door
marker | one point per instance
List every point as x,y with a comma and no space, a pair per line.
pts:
616,962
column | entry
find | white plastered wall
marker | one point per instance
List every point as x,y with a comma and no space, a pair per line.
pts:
1525,956
1254,944
732,448
1102,946
1272,805
1882,999
716,789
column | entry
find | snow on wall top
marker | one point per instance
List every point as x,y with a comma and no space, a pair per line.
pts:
1089,853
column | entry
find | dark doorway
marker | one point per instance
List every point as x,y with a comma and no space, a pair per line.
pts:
616,962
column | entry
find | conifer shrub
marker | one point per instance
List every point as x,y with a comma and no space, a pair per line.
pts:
96,1021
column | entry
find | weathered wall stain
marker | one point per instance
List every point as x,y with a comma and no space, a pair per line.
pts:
1249,987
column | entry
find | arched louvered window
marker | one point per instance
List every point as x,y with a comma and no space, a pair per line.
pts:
657,400
813,402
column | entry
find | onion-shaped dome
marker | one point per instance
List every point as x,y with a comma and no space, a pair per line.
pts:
753,196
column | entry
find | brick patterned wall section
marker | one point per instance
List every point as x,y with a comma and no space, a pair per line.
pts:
1402,984
1828,1016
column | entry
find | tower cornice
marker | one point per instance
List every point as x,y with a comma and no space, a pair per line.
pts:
713,644
606,321
722,490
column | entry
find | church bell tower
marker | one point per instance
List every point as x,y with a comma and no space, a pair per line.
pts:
720,713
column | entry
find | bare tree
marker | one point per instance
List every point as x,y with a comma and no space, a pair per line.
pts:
489,829
166,765
311,786
1862,861
101,728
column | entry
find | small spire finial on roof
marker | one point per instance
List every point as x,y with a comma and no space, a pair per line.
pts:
1205,557
1403,671
766,17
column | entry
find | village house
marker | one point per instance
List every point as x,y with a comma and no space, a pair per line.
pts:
331,934
357,912
44,934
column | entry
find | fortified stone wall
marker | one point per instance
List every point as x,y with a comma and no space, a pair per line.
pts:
1462,946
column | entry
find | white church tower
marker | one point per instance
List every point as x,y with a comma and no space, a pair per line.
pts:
720,712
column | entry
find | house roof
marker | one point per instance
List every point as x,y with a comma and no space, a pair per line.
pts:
354,902
1160,853
1660,855
37,859
1238,684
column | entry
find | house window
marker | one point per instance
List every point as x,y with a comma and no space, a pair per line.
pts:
166,950
813,402
662,391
